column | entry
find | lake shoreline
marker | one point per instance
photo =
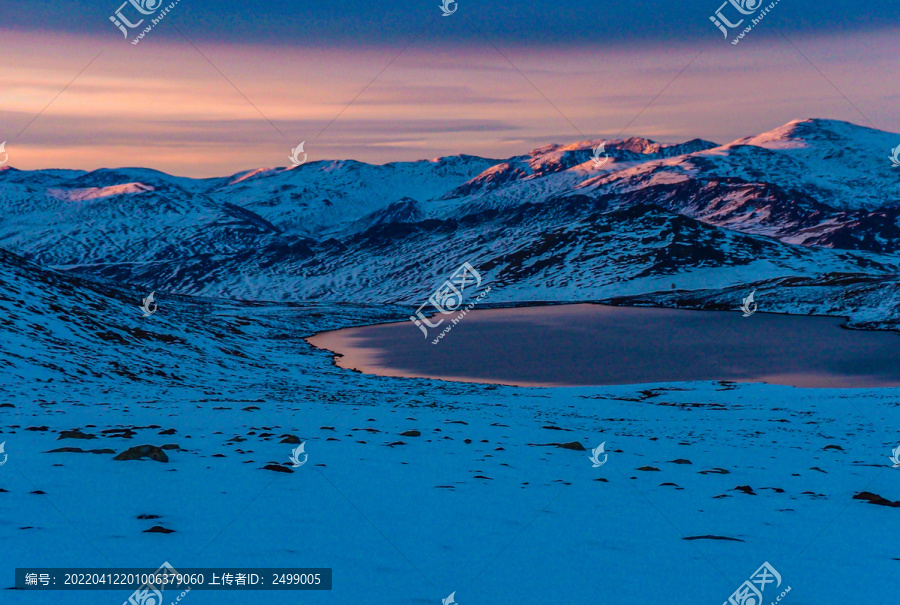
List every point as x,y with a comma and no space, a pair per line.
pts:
359,349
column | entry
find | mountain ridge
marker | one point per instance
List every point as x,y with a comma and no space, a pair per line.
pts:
806,201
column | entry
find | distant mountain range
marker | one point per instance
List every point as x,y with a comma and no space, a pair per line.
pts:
808,213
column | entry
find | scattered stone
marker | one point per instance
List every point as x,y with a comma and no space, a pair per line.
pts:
716,471
498,424
171,446
602,479
148,517
816,468
122,433
833,447
708,537
291,439
647,468
571,445
326,428
483,477
455,422
467,441
218,456
143,451
75,434
277,468
876,499
6,405
78,450
167,432
38,428
332,439
412,433
777,490
680,461
555,428
159,529
396,443
746,489
250,408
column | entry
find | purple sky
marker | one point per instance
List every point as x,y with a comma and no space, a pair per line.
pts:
229,102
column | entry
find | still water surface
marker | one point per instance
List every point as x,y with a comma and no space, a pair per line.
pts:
584,344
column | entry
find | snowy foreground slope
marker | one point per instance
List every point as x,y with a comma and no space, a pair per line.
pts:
807,214
746,473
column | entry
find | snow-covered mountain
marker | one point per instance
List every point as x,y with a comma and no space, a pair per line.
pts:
56,326
492,490
225,390
808,200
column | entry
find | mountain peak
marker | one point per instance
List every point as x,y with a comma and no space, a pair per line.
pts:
640,145
801,132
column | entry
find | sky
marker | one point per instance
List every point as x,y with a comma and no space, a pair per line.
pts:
215,88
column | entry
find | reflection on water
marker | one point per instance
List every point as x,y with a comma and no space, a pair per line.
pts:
585,344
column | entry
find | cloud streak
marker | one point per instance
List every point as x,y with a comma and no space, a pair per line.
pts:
162,105
349,23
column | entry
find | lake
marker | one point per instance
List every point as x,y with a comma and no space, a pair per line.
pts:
587,344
